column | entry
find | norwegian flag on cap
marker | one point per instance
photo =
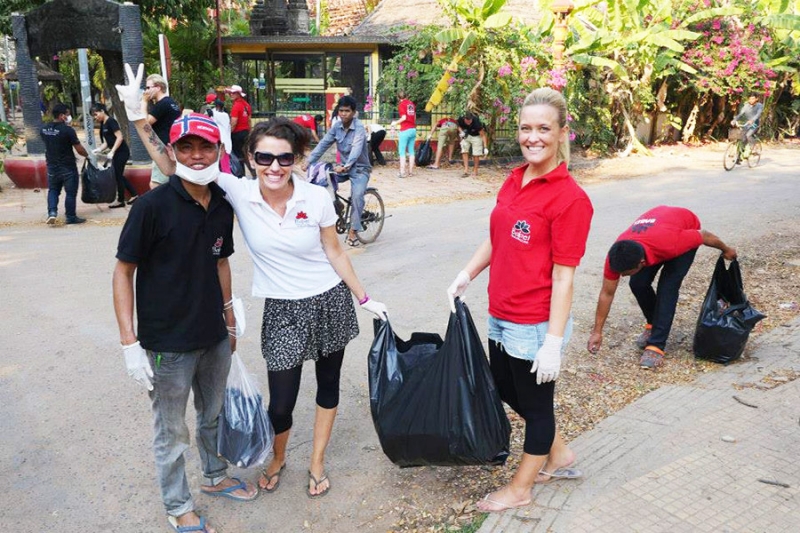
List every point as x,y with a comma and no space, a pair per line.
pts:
197,124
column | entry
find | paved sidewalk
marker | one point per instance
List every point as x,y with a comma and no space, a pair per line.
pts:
661,464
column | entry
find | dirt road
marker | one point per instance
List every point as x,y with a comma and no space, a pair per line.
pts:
75,431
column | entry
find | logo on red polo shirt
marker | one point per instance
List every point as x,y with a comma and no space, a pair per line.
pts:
217,248
642,225
521,231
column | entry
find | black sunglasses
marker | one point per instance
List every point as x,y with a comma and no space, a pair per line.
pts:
266,159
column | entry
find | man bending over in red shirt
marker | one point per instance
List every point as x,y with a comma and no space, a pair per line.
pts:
664,237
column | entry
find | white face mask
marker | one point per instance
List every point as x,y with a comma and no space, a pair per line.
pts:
199,177
68,120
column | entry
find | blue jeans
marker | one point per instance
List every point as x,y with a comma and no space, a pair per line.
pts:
659,306
522,341
359,179
56,180
205,372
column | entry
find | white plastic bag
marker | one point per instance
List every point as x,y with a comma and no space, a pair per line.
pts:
245,435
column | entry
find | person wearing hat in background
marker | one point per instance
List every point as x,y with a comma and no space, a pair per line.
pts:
209,105
161,111
240,123
183,279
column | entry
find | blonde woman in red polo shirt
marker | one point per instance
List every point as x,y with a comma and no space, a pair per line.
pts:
537,237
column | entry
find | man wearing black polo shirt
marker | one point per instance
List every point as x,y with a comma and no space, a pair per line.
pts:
177,240
59,140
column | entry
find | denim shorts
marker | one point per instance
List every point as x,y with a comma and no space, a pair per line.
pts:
522,341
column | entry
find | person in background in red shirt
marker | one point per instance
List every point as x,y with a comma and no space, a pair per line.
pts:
664,238
537,237
310,123
408,133
240,123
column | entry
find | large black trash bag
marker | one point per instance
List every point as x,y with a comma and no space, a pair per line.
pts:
424,154
726,317
244,434
434,402
98,185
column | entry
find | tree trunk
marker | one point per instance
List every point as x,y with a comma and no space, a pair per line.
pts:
634,144
691,122
112,61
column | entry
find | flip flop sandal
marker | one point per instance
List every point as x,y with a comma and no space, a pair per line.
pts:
317,483
503,506
173,521
270,478
229,492
561,473
355,243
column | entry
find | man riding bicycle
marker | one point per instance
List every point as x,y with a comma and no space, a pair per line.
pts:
351,140
750,115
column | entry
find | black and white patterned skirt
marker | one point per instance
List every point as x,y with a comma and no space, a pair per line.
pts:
295,331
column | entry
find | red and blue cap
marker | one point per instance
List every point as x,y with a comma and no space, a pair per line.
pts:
196,124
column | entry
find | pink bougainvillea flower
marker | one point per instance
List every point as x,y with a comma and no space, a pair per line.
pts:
504,71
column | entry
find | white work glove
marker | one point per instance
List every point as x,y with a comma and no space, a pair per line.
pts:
131,94
97,151
457,289
138,364
485,152
548,359
461,134
110,155
376,308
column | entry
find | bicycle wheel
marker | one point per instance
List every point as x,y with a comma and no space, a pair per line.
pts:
755,155
372,217
731,156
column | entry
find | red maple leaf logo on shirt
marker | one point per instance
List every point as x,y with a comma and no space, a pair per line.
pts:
301,216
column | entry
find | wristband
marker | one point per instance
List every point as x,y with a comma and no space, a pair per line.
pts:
364,300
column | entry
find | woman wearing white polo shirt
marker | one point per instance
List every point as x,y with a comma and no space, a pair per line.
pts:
303,273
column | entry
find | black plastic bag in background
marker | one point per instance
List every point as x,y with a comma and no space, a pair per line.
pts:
434,402
244,434
98,186
424,154
726,317
237,168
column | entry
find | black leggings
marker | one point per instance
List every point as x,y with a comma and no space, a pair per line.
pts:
119,161
534,403
284,386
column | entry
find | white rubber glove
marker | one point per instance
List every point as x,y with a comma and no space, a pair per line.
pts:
485,152
457,288
138,364
548,359
376,308
131,94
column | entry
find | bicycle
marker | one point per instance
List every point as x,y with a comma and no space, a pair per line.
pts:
371,218
738,150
